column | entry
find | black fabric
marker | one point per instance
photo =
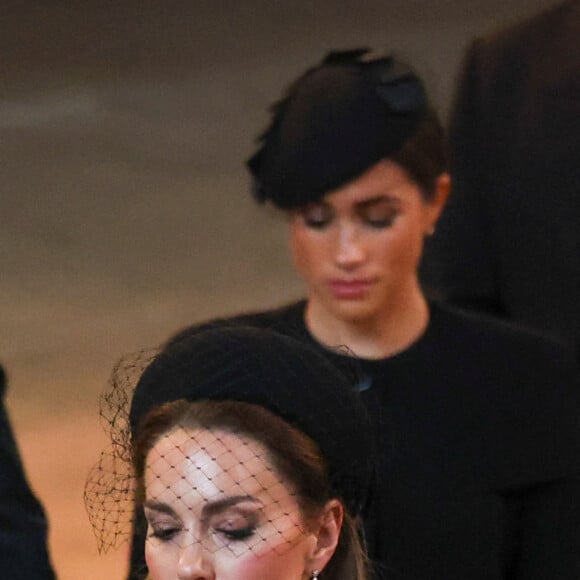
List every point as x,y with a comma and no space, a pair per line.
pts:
337,120
509,240
478,423
23,526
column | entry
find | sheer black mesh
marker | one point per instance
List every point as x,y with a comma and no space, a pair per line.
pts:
224,487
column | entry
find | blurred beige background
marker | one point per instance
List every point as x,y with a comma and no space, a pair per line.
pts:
124,205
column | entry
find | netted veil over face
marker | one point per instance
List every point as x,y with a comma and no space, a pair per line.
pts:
209,438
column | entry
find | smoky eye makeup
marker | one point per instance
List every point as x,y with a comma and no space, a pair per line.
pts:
379,214
236,523
316,215
162,526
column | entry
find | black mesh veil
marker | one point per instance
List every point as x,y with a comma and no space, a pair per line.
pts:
110,486
222,410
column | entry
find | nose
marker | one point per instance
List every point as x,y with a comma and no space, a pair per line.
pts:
194,563
350,251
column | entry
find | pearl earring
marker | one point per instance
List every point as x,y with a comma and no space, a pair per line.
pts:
315,574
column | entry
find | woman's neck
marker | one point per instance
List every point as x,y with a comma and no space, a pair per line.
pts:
380,336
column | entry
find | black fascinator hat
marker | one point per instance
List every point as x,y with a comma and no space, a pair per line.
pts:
336,120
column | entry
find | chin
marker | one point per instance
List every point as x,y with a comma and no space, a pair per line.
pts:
354,311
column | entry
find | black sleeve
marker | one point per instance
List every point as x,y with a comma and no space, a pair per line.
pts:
550,531
23,526
549,510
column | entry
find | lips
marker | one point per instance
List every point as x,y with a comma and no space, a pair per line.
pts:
350,289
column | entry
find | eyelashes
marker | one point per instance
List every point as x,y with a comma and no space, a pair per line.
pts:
227,534
376,223
375,217
380,223
163,534
316,217
237,534
234,528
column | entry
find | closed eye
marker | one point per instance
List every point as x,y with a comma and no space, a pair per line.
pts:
163,523
165,534
237,534
379,214
316,216
236,522
379,223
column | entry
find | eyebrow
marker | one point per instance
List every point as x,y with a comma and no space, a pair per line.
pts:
360,205
160,507
220,505
209,509
372,201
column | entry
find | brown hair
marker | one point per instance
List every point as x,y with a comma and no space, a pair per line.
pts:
423,154
293,454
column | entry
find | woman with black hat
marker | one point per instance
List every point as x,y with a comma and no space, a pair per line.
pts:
239,478
477,421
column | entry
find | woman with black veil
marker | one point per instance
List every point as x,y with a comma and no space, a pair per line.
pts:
476,421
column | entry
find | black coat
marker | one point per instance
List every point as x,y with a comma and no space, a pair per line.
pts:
23,527
478,423
509,241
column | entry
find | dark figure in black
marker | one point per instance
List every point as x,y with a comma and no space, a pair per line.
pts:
509,241
23,527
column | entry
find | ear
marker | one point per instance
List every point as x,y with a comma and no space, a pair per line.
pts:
327,534
437,203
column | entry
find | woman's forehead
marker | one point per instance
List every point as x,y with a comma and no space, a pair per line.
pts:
209,463
384,181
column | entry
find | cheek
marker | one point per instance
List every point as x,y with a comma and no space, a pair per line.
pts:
266,565
160,563
404,249
306,252
282,557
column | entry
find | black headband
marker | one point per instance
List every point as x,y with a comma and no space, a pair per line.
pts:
337,120
276,372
